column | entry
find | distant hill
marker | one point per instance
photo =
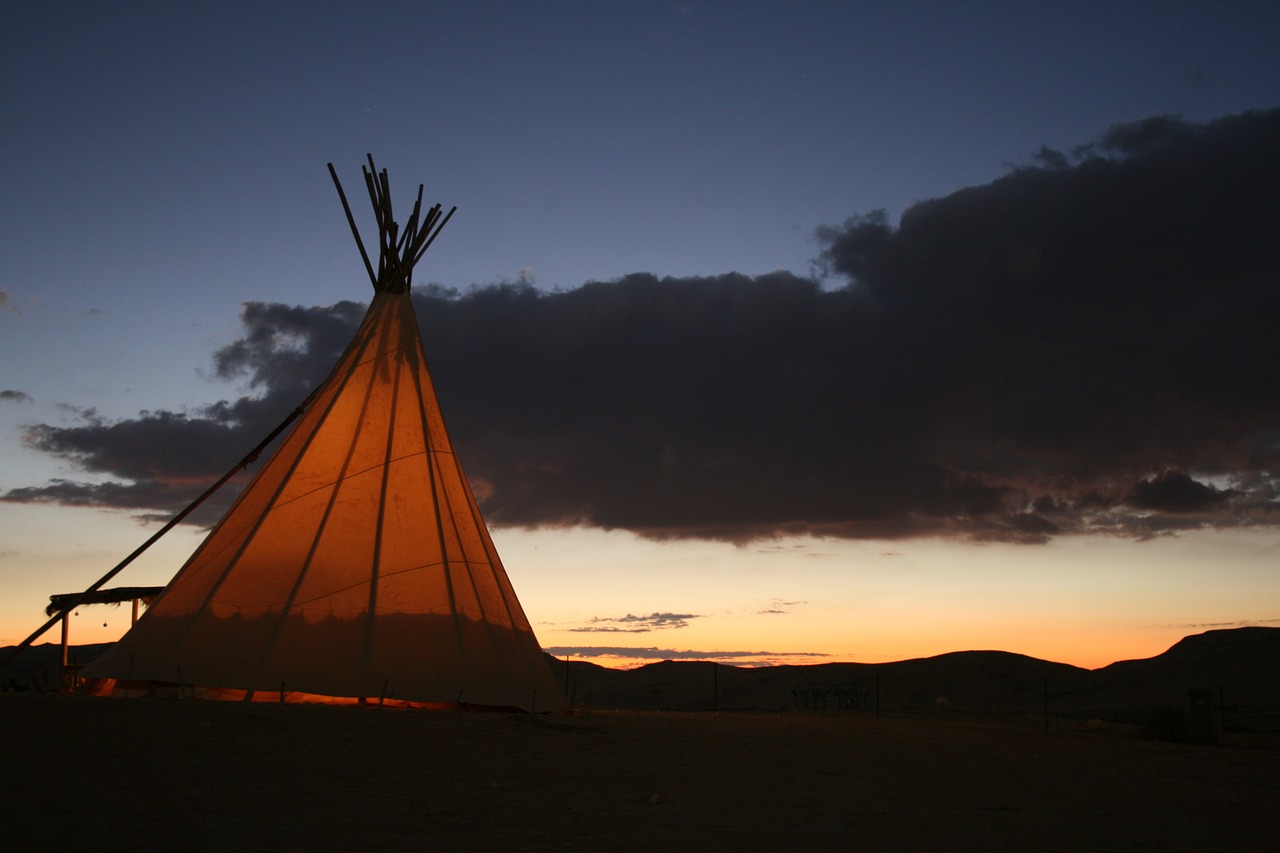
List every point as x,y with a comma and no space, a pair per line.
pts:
38,668
1242,663
1241,666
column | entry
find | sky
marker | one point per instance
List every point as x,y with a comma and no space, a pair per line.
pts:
767,332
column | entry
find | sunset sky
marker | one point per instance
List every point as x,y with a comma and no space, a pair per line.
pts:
767,332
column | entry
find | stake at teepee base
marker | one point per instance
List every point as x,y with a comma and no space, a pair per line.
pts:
356,563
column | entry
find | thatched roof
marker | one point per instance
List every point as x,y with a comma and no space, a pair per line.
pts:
68,600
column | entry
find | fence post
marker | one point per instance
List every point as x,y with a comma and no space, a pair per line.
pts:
715,686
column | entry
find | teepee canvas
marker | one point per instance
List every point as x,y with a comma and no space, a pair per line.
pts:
356,563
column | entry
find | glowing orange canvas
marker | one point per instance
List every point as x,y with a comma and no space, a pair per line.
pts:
356,563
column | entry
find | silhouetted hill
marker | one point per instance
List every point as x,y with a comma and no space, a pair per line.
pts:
38,668
1243,663
1241,666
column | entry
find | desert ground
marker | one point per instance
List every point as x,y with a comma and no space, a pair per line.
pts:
149,774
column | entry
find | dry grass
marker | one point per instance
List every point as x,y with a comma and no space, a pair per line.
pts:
148,774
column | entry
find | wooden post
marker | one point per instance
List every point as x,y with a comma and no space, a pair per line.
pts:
715,686
135,612
64,671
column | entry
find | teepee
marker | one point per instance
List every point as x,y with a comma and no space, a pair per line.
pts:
356,564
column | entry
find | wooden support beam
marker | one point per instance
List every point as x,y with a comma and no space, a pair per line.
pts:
66,636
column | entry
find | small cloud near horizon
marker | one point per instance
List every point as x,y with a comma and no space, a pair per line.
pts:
778,607
1211,626
652,653
632,624
14,396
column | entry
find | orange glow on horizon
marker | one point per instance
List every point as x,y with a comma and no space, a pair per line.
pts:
1085,652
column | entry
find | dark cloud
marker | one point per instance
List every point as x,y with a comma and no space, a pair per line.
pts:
140,496
13,396
285,349
6,303
1175,492
632,624
159,462
1084,345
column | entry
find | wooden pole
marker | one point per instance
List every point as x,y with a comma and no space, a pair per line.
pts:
351,220
243,463
134,621
715,686
66,636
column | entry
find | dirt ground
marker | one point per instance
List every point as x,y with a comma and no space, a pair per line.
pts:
118,774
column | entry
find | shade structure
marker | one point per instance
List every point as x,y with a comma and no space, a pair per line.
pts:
356,563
